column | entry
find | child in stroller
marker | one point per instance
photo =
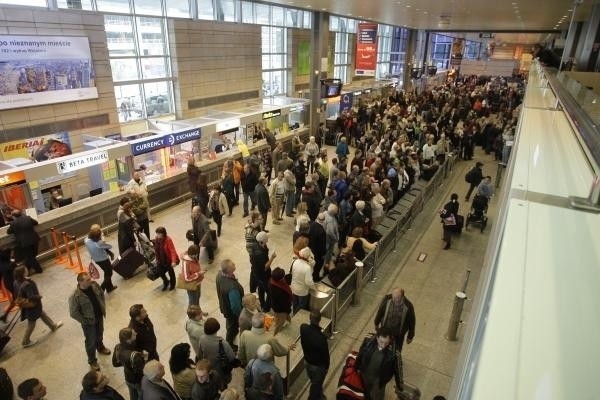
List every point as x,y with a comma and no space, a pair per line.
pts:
478,214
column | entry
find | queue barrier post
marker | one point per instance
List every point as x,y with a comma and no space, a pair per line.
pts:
360,266
76,249
55,242
68,250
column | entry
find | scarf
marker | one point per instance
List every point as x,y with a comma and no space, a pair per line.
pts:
283,286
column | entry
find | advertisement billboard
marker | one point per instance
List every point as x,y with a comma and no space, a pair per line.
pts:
36,70
366,49
39,148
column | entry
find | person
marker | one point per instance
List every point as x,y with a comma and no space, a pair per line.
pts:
182,370
218,207
281,299
250,304
289,183
317,241
192,275
86,306
276,155
194,326
228,188
144,329
7,391
249,182
277,197
485,188
475,176
332,233
166,257
342,151
377,364
262,389
31,389
100,253
95,387
357,244
125,355
316,354
214,348
312,152
396,315
302,280
252,339
377,205
154,386
7,266
263,201
28,298
138,186
270,137
127,226
260,268
230,293
139,208
27,240
201,229
452,222
263,363
207,383
251,230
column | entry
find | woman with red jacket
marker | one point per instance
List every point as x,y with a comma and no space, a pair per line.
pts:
166,257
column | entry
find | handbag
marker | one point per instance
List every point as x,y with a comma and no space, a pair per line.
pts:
93,271
186,285
449,221
288,276
226,365
154,271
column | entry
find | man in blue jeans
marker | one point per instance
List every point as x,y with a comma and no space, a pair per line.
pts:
316,354
86,306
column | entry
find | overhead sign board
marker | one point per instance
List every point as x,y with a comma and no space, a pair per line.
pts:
77,163
159,142
9,179
486,35
366,49
271,114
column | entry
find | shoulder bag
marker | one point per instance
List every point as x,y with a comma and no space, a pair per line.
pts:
288,276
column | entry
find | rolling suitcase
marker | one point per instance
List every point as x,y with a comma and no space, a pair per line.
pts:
5,332
129,262
350,384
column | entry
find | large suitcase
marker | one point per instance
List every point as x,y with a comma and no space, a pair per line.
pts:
5,332
129,262
350,384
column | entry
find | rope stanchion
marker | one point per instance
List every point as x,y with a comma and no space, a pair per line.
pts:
76,249
55,242
70,265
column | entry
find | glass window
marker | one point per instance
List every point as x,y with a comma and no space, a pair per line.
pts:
32,3
129,102
178,8
334,23
248,12
159,99
274,83
225,10
74,4
151,36
117,6
124,69
205,9
262,14
293,18
147,7
340,72
119,35
154,67
307,20
277,16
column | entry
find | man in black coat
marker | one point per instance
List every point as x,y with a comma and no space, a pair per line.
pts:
260,269
143,327
316,354
249,182
475,176
23,228
396,314
262,201
312,200
317,243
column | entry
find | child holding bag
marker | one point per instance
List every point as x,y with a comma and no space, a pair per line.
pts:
192,274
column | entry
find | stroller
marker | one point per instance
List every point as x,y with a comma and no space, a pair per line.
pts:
146,248
478,213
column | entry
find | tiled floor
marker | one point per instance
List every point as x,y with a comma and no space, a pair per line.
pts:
59,359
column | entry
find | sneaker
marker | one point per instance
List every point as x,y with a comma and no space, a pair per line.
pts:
57,325
30,343
94,366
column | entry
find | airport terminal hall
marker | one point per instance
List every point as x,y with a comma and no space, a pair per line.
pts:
299,199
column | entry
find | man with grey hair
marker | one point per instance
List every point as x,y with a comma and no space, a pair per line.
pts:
317,241
230,293
251,340
332,232
260,267
154,387
201,229
263,364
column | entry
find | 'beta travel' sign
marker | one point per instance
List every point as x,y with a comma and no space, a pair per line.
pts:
160,142
75,163
271,114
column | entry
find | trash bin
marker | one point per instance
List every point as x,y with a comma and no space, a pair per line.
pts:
320,296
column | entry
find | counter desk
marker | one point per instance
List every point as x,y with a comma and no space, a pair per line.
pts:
76,218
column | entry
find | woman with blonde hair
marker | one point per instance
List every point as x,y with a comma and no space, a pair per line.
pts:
100,253
301,214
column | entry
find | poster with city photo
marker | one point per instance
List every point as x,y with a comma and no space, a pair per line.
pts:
39,148
37,70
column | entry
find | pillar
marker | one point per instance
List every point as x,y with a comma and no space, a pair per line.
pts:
318,61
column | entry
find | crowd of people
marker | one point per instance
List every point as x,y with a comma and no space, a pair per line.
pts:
382,149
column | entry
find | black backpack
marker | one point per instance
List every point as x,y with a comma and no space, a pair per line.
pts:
469,176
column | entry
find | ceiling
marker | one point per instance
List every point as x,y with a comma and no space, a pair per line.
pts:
479,15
